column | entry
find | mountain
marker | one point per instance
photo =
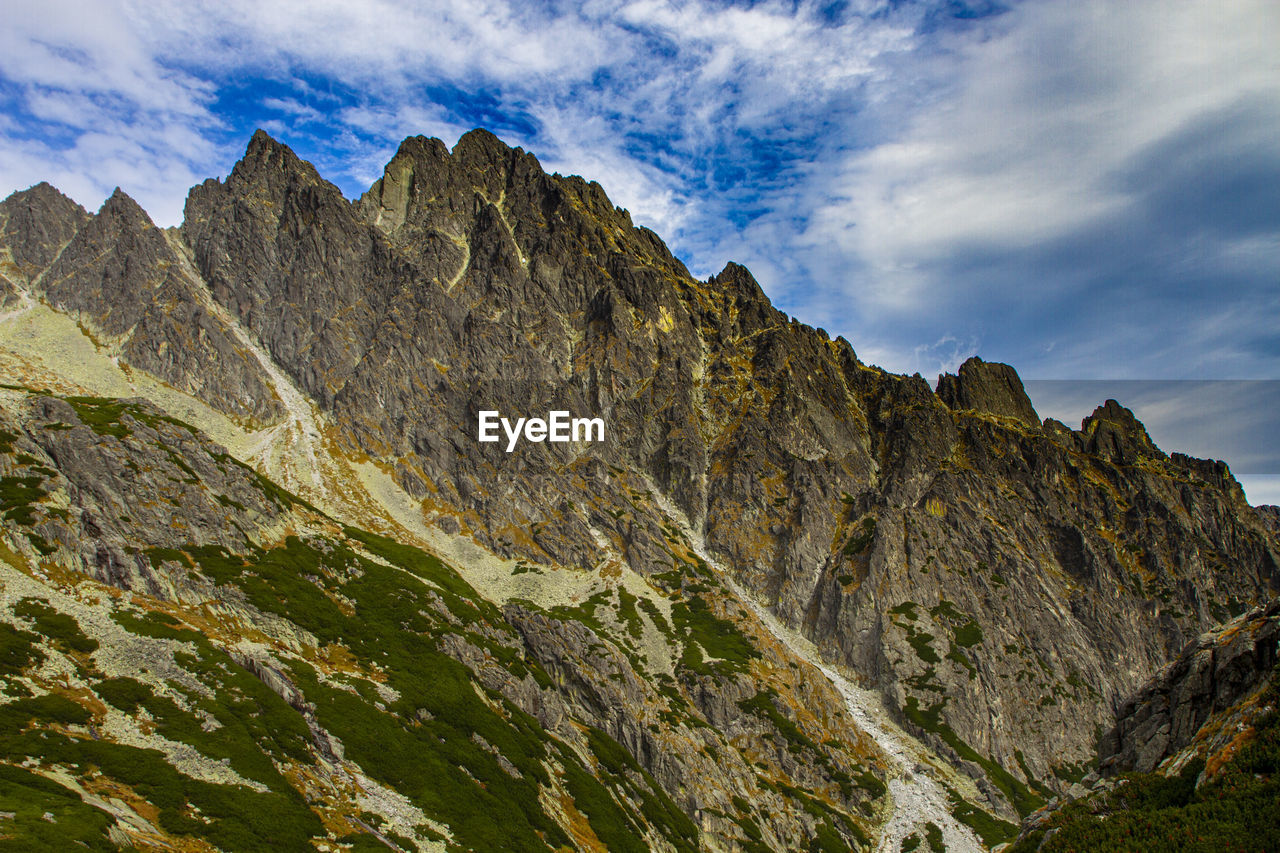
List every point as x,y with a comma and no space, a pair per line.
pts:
790,601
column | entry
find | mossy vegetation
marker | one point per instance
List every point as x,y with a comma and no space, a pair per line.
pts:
968,635
992,830
620,769
61,629
46,817
954,654
906,608
930,720
919,641
933,837
720,639
763,705
101,414
18,650
834,831
629,615
104,415
864,534
429,743
18,496
230,817
433,734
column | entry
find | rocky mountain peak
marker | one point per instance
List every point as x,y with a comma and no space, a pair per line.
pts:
481,146
34,225
990,388
1114,432
739,303
265,172
122,206
264,150
387,202
111,268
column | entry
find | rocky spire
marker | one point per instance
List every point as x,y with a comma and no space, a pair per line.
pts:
37,223
990,388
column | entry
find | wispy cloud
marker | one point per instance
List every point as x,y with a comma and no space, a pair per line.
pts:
1096,191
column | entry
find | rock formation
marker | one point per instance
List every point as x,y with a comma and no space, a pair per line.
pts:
1211,675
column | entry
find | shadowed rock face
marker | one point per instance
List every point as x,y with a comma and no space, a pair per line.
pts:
1000,581
120,276
989,388
37,223
1212,674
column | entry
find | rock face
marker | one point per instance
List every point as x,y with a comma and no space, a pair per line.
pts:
989,388
117,469
1191,759
36,224
1211,675
153,590
121,276
1001,582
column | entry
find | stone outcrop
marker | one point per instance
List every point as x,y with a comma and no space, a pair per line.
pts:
1214,673
989,388
34,226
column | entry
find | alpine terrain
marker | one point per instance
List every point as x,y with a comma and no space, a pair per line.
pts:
263,587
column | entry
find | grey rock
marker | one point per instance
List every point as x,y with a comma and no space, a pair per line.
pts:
988,387
122,277
34,226
1213,673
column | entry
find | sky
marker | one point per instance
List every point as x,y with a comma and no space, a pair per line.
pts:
1085,189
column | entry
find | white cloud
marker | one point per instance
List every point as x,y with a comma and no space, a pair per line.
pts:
156,65
376,42
129,119
1043,116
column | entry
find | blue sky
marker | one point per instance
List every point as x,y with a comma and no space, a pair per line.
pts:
1086,189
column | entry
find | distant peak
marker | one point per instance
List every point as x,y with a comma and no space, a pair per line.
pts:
266,154
481,146
43,193
736,276
264,145
1112,411
1114,431
262,139
417,146
733,269
121,203
481,140
989,387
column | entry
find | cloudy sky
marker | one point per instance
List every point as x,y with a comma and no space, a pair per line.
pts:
1086,189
